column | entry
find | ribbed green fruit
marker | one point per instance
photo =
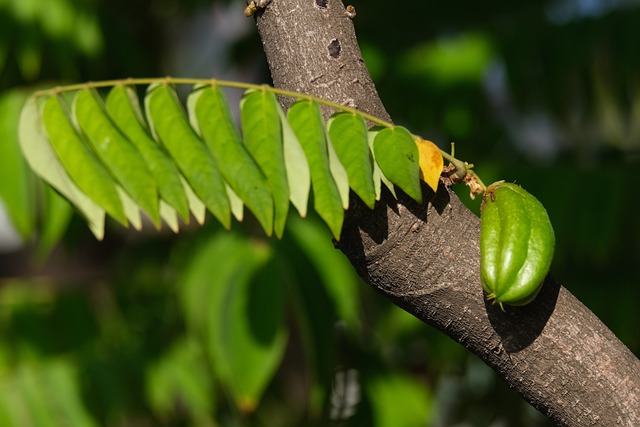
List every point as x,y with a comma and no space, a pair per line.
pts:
516,244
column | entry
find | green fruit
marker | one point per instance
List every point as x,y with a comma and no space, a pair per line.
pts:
516,244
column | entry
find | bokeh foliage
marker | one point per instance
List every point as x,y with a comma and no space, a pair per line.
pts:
545,94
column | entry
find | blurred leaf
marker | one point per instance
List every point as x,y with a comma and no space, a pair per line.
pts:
450,60
398,400
62,381
262,133
56,214
239,307
30,379
16,181
336,273
180,380
306,121
397,155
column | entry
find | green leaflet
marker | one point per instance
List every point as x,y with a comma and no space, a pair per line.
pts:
397,155
339,174
83,168
118,155
170,125
239,306
209,113
348,134
262,133
124,109
297,166
378,176
306,121
44,162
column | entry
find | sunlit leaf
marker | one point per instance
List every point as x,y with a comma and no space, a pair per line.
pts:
306,121
85,170
196,206
118,155
263,138
397,155
44,161
171,126
209,113
378,176
348,134
431,163
78,160
298,173
124,109
339,174
169,216
131,209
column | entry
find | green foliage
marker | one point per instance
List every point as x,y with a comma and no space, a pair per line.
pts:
171,127
210,114
104,152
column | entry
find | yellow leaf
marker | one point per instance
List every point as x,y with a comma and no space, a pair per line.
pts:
431,162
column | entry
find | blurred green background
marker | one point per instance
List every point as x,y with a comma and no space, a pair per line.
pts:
211,328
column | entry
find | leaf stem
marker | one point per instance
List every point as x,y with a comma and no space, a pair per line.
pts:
463,169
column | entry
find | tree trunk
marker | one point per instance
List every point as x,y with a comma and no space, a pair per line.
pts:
425,258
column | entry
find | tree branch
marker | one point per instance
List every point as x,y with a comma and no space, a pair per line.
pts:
425,258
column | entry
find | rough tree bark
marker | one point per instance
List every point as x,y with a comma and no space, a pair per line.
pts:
425,258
